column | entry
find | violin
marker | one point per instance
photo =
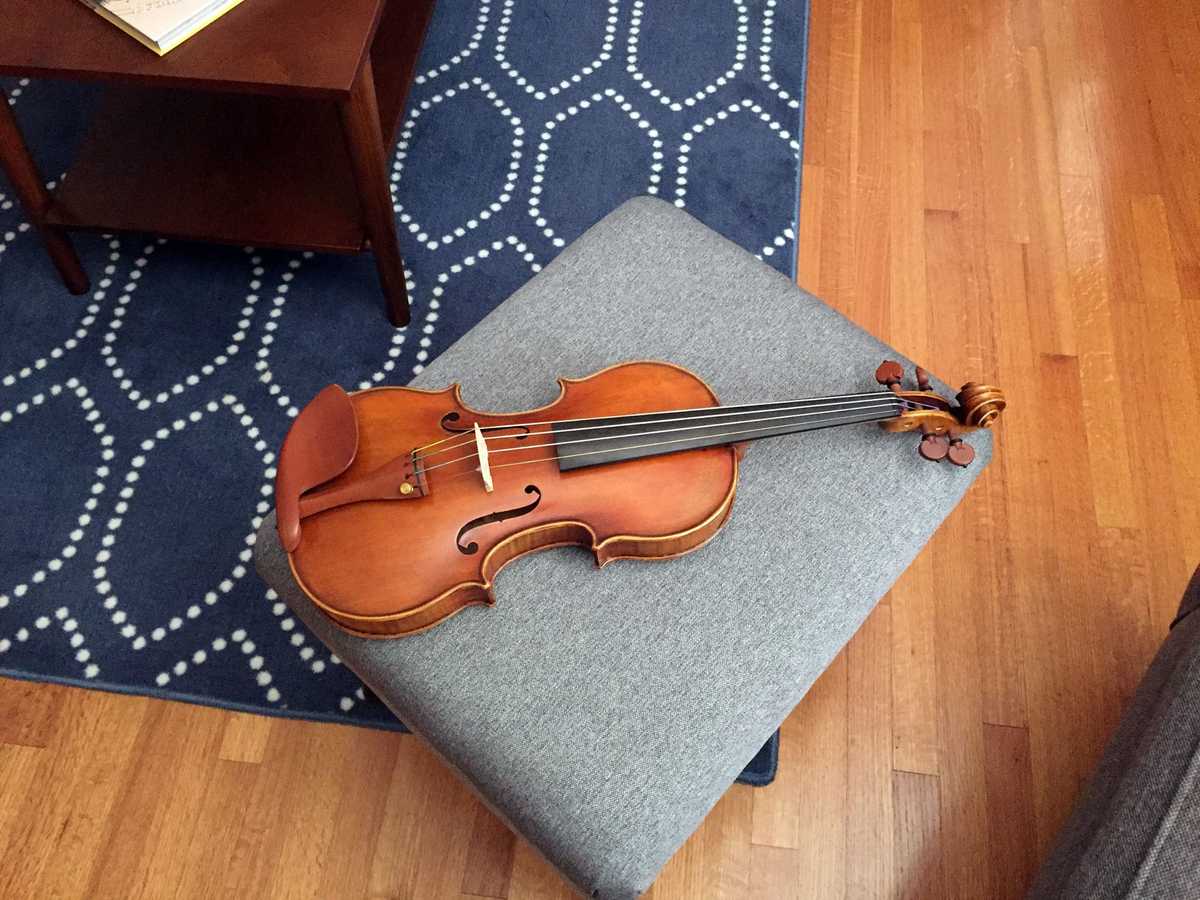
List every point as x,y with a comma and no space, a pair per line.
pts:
398,506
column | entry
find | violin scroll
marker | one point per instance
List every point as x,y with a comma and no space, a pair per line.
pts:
981,404
942,424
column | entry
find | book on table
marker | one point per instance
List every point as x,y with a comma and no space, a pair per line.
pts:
161,25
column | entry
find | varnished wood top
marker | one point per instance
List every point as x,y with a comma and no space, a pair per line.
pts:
297,47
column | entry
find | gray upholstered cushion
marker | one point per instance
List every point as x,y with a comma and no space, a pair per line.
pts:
1135,832
603,713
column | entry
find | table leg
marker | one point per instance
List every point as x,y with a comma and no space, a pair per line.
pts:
364,140
31,190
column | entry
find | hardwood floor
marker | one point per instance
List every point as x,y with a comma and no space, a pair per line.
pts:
1008,189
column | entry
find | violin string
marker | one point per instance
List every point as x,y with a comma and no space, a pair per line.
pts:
883,402
619,421
641,434
631,415
624,421
856,419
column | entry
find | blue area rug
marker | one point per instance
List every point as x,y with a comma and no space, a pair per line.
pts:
138,424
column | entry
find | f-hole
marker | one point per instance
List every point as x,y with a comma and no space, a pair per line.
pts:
494,517
451,417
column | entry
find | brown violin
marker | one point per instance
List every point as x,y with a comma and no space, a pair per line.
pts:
398,506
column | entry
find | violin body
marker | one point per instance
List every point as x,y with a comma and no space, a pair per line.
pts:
407,561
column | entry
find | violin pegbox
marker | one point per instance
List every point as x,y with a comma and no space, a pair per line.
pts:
942,424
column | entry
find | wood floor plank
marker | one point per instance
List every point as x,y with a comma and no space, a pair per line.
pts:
1012,855
218,816
1160,286
1056,326
489,862
533,878
29,712
363,773
715,862
804,809
245,737
962,800
908,307
915,742
870,867
429,818
918,837
163,784
1105,392
808,244
56,839
19,765
777,873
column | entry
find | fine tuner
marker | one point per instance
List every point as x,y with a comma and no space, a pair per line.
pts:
397,506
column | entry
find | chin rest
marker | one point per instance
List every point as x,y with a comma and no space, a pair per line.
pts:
320,446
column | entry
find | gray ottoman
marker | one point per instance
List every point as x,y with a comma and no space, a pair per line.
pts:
601,714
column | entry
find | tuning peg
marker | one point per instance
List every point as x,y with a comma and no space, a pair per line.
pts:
934,447
959,453
923,380
890,373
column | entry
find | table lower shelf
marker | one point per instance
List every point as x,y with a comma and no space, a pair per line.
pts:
261,171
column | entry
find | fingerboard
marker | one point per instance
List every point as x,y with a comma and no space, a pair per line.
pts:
591,442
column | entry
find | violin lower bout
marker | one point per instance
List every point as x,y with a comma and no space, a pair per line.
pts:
388,569
544,537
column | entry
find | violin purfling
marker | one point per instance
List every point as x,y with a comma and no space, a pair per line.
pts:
397,506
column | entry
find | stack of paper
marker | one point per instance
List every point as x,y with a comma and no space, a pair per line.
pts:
161,24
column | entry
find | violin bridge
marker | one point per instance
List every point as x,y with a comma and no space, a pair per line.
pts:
485,470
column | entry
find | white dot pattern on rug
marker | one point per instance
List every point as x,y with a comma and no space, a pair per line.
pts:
456,58
16,90
90,310
111,545
72,638
603,55
721,115
56,556
636,68
184,365
428,326
506,189
765,49
128,290
609,95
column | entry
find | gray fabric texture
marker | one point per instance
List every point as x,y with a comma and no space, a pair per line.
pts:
1133,834
603,713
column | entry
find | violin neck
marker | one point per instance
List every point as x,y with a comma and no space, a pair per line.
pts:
590,442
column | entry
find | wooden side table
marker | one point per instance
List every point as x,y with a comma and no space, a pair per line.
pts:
271,127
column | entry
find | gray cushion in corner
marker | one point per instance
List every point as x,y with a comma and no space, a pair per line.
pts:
1135,833
603,713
